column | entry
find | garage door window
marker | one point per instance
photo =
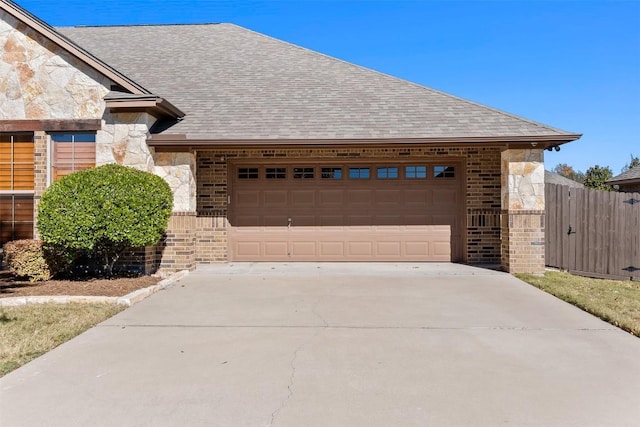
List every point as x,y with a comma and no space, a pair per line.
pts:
359,173
415,172
444,172
248,173
303,173
388,172
332,173
276,173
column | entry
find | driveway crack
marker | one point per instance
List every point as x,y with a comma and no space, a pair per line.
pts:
292,365
313,310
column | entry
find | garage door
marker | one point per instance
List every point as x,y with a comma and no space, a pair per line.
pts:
346,212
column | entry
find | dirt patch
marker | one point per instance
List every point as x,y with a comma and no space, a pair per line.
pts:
117,287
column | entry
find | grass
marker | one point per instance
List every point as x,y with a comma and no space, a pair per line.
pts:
614,301
29,331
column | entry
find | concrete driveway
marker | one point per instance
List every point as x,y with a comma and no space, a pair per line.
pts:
337,345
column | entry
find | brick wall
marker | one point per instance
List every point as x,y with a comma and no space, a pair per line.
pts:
482,191
523,241
40,172
178,250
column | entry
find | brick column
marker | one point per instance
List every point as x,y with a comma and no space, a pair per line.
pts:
522,222
178,252
39,173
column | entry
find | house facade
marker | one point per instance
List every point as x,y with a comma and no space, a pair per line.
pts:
273,152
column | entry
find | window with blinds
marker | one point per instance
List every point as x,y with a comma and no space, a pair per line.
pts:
16,186
72,152
16,162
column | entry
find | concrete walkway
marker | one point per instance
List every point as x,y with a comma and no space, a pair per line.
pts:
336,345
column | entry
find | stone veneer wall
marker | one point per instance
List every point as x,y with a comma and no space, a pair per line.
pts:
482,191
38,80
523,210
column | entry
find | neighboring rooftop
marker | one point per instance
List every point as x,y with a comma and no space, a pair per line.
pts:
554,178
630,176
235,84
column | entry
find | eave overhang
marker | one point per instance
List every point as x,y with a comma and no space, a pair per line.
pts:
542,142
154,105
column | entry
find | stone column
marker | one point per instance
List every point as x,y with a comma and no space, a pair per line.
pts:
523,211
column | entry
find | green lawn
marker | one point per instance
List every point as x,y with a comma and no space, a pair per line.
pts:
29,331
615,301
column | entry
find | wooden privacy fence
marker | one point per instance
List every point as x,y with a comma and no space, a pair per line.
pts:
593,233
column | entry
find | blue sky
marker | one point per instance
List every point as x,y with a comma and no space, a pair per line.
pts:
570,64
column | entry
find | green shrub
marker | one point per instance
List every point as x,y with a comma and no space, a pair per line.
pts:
103,211
31,259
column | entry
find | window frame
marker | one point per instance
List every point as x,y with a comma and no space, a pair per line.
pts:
12,193
51,150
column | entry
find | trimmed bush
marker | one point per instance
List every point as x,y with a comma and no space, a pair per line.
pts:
98,213
31,259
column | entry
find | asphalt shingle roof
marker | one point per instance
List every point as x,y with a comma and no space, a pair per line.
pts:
235,84
632,174
554,178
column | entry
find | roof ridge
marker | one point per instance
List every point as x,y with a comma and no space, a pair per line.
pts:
405,81
142,25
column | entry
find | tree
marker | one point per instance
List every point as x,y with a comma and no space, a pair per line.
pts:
98,213
567,171
596,176
635,161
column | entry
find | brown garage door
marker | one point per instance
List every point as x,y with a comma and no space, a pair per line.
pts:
346,212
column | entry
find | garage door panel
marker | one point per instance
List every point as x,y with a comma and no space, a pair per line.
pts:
247,198
445,196
417,197
275,198
417,249
358,197
360,249
303,248
303,198
331,197
391,197
273,248
333,250
392,249
442,248
248,248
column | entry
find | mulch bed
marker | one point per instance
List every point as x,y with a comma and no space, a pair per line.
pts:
10,286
